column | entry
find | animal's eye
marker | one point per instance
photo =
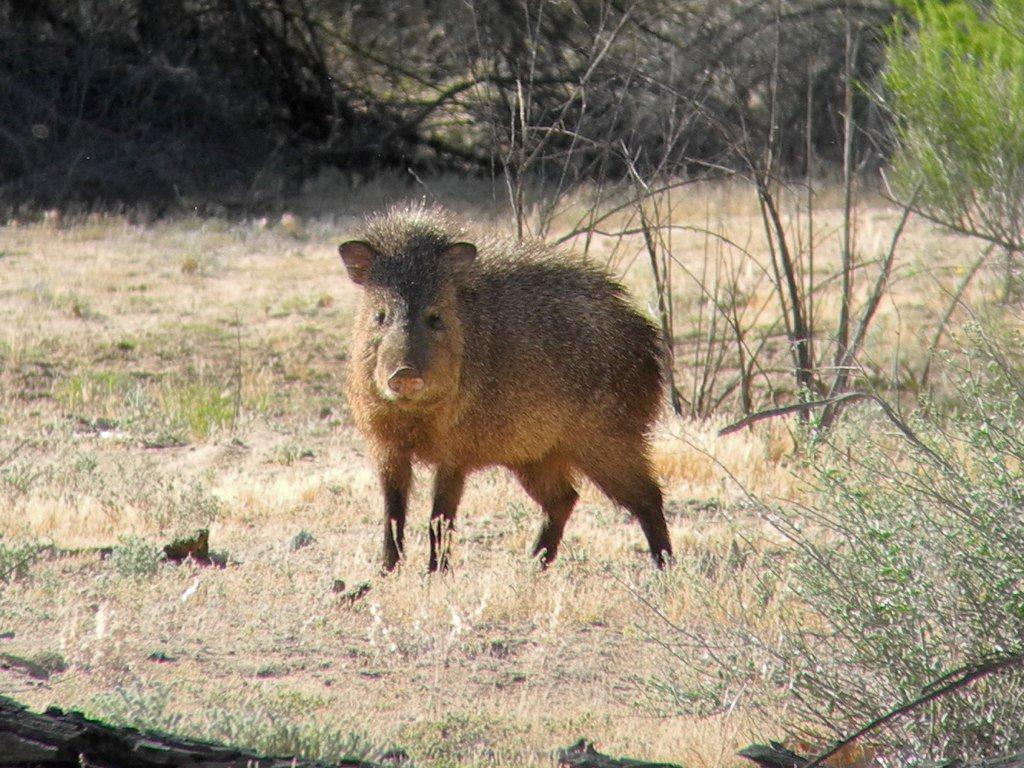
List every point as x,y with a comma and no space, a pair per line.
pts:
435,322
381,317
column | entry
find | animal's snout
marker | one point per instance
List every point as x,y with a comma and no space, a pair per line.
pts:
405,382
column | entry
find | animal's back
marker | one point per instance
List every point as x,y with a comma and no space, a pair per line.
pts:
556,350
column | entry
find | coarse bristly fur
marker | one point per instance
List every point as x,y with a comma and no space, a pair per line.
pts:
500,353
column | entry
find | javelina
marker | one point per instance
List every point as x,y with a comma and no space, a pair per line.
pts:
519,356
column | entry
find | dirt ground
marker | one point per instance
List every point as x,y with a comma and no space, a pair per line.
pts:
158,378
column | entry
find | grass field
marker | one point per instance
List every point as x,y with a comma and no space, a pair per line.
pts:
157,378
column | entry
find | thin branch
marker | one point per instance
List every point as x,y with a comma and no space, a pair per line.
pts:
970,229
957,679
785,410
948,314
848,397
844,362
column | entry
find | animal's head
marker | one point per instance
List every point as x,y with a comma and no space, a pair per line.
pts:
408,322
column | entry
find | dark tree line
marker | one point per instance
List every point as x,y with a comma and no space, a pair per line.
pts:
183,101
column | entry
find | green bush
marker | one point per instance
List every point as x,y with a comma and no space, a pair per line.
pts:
907,564
954,83
136,557
17,559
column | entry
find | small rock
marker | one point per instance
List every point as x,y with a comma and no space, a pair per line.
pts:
190,590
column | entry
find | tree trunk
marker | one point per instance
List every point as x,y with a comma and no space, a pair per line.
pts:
56,739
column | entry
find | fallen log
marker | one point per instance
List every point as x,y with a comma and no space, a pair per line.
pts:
582,754
57,739
772,755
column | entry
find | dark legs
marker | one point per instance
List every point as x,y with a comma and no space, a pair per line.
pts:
549,483
630,482
627,480
395,479
448,485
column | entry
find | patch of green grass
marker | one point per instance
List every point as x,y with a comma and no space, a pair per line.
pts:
291,453
198,408
458,739
96,393
20,477
280,726
86,462
171,409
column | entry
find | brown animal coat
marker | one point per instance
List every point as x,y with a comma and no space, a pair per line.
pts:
514,355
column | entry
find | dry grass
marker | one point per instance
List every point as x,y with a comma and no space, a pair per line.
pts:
158,378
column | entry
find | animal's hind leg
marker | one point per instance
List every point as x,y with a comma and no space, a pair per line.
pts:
549,483
629,481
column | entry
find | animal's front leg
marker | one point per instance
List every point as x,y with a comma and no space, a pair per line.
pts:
448,484
395,479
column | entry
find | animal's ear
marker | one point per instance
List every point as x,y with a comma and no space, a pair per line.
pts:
460,253
358,256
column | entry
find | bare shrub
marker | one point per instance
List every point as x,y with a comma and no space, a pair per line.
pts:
211,103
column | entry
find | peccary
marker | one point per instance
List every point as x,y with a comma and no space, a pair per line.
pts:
517,355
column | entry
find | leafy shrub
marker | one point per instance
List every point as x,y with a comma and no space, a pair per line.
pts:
16,560
907,564
136,557
954,81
